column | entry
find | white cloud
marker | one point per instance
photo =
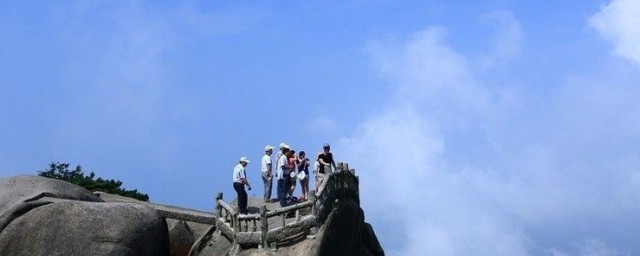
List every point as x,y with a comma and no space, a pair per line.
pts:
618,23
429,75
447,212
477,171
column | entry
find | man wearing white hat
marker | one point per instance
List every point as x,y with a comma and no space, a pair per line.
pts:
282,174
239,181
281,151
267,173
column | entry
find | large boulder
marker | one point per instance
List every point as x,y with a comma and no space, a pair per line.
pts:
26,188
41,216
181,238
20,194
86,228
182,234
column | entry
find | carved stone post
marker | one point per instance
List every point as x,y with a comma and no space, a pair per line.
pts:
313,199
284,221
218,210
264,226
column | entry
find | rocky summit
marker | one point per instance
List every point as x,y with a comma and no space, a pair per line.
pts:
42,216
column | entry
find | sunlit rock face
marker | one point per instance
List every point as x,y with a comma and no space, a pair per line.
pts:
41,216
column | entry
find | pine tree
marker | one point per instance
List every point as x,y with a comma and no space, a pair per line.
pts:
61,171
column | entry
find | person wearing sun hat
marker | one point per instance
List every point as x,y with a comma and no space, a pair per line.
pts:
281,151
282,174
239,181
267,173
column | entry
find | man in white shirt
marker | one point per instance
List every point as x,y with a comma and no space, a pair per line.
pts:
281,151
239,181
266,173
282,174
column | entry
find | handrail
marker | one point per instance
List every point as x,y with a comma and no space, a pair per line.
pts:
290,208
225,206
336,186
342,185
235,226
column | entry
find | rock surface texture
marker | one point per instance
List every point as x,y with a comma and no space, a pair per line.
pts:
41,216
346,233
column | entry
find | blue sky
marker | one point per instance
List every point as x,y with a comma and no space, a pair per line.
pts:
501,127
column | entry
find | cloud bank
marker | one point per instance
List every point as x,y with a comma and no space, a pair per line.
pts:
618,23
479,169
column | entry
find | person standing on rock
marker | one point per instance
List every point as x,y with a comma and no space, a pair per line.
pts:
267,173
292,174
325,158
324,163
282,175
303,173
239,181
281,151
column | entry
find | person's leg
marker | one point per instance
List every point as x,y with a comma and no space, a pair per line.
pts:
238,189
287,186
270,184
293,186
281,193
242,201
305,187
267,187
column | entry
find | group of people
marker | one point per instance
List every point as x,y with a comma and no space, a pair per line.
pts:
289,169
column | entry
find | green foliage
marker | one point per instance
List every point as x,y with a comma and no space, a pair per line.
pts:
61,171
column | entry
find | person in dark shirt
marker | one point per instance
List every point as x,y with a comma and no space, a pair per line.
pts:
325,158
303,173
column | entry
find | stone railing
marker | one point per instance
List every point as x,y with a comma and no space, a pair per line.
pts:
269,227
244,229
339,186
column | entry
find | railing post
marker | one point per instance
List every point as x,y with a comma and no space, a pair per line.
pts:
314,209
313,199
264,225
218,210
255,227
235,224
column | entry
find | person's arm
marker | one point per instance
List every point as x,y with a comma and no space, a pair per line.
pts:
245,180
282,164
320,160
